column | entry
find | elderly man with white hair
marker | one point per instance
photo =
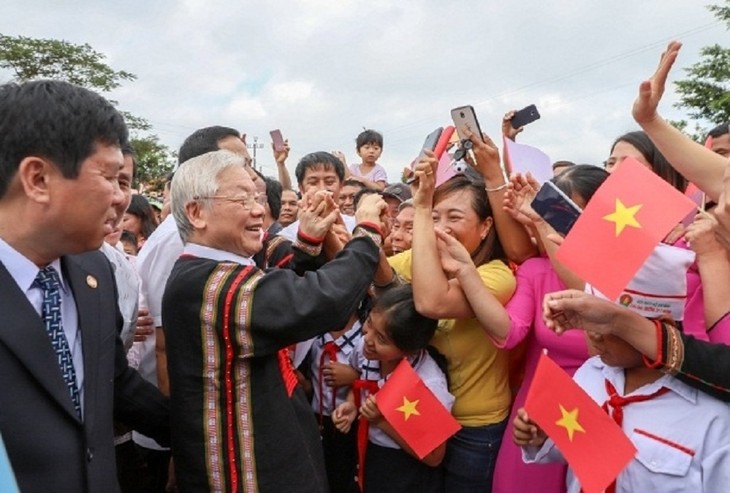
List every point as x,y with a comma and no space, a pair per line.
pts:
241,422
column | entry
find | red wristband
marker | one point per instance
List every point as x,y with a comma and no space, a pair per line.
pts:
309,239
373,226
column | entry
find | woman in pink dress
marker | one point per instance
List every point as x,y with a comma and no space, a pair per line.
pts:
523,321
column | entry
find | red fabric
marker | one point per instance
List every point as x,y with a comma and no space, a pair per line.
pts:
606,251
329,350
594,446
414,412
287,371
363,427
615,404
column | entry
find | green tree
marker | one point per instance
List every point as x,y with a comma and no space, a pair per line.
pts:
705,93
154,161
31,59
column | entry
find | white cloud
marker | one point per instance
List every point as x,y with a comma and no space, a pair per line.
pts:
322,70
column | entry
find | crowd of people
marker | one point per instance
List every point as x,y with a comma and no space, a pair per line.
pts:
234,337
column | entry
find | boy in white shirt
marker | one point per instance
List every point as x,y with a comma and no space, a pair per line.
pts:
681,434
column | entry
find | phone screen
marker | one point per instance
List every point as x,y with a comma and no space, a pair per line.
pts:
277,140
464,116
556,208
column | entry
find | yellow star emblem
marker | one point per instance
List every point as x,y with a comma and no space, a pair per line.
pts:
569,421
624,216
408,408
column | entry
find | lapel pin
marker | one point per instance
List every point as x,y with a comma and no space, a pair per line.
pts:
91,281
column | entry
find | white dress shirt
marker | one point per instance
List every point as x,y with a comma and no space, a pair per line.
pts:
682,437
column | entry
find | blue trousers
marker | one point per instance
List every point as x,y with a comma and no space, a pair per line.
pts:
470,458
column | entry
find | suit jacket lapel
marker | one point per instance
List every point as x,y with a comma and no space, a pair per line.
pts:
22,331
86,294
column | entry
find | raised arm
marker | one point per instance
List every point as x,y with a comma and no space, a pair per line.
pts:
280,158
514,238
703,365
699,165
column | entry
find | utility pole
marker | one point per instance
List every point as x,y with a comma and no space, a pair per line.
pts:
254,147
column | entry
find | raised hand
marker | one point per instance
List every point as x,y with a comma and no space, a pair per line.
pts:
280,156
519,196
425,174
507,129
652,90
317,214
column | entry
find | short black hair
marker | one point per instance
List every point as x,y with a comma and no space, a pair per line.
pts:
369,137
719,130
317,159
204,140
353,183
55,120
562,164
273,196
409,330
363,192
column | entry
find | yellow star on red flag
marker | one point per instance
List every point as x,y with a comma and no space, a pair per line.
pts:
623,216
569,421
408,408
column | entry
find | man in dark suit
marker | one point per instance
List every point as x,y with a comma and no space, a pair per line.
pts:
63,372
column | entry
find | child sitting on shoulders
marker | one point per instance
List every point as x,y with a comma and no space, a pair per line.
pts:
679,432
369,172
393,331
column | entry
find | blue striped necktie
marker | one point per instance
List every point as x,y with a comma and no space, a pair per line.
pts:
50,283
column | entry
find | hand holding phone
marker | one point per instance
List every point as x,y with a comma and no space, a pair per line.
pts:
525,116
277,140
465,117
429,144
556,208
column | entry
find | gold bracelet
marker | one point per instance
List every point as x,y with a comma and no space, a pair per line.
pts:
497,189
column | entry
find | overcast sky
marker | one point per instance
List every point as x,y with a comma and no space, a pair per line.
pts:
322,70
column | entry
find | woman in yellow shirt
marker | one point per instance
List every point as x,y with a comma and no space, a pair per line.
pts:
477,370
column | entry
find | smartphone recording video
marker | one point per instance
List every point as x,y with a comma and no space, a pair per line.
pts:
556,208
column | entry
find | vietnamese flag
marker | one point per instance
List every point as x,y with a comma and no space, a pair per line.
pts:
630,213
594,446
414,412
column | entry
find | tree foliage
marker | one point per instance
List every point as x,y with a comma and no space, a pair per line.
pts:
31,59
705,93
154,160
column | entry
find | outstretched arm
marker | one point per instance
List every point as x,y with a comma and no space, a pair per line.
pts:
699,165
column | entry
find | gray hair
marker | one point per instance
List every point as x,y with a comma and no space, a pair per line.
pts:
198,177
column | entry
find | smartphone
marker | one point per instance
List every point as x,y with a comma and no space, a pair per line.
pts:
556,208
464,116
277,140
526,115
429,144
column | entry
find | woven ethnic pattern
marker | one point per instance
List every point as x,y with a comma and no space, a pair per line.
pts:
50,283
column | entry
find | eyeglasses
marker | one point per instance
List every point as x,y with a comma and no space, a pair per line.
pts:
246,201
